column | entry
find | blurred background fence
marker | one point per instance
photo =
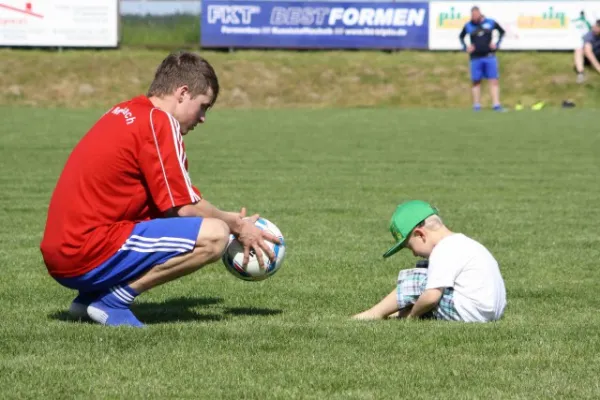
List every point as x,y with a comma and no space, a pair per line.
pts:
541,25
407,24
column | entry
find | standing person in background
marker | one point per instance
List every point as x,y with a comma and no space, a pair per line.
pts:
482,54
588,53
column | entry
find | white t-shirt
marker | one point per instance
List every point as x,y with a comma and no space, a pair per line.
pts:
579,28
467,266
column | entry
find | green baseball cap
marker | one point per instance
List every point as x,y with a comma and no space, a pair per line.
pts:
406,217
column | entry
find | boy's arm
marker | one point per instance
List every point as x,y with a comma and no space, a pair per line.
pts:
426,302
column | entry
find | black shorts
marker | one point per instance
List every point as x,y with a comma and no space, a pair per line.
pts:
586,61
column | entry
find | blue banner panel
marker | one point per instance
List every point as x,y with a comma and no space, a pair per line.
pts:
314,25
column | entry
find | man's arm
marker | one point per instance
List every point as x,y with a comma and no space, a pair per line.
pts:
589,53
426,302
462,36
205,209
243,228
501,33
162,161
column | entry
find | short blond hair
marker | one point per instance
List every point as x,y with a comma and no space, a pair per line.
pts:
432,223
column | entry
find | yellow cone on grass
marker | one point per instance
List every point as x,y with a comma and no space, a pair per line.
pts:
538,106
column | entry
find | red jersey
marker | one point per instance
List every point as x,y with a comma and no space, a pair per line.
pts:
131,166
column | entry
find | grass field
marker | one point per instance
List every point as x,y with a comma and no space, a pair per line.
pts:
160,31
524,184
276,79
288,79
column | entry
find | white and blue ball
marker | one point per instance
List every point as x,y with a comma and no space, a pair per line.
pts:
233,257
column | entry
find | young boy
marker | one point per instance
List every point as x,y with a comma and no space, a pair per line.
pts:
460,280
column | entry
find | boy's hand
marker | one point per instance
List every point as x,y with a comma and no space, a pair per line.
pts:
428,300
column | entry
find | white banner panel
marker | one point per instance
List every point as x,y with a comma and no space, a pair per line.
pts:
59,23
529,25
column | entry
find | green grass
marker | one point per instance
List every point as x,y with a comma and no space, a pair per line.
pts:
160,31
276,79
524,184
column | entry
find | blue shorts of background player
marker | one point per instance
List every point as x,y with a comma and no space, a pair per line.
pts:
484,68
148,256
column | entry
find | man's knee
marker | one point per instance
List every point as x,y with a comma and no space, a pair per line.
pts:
213,237
476,83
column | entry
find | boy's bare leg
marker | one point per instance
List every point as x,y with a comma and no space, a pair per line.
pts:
495,91
381,310
476,93
579,64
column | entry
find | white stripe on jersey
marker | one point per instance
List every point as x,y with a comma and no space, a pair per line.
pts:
181,156
160,159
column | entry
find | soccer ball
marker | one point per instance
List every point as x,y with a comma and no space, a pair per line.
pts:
233,257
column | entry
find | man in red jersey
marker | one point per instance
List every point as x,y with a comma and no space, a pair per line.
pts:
124,216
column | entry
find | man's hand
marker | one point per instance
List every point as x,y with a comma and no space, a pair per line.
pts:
253,238
493,46
244,228
470,49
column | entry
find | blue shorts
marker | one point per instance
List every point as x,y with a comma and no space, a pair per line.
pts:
151,243
484,68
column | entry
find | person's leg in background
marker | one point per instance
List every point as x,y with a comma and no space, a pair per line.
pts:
476,75
492,74
579,61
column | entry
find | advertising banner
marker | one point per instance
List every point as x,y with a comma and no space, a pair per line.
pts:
59,23
315,25
529,25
